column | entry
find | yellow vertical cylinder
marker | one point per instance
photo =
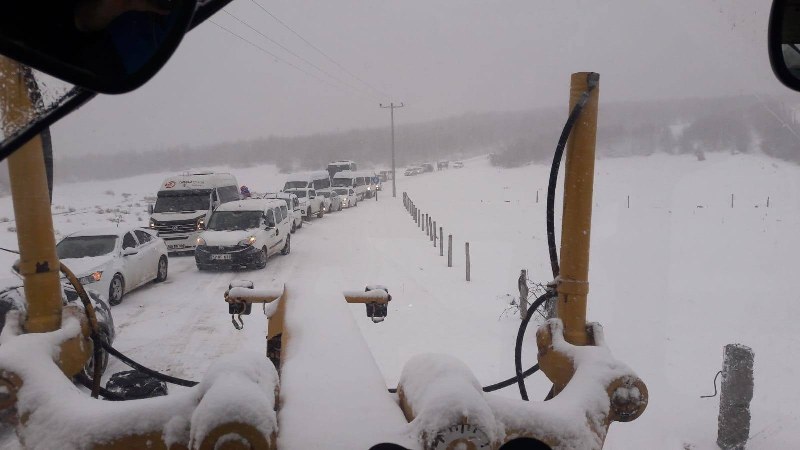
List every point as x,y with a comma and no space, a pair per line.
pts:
39,264
573,280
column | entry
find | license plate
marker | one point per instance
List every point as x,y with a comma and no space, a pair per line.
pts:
221,257
176,246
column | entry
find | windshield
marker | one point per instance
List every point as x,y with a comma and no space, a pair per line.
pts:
234,220
325,194
691,225
85,246
295,185
190,201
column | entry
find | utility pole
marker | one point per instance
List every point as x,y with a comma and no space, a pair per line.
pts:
391,107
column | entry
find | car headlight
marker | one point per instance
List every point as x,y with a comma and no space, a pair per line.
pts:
93,277
201,223
201,242
249,241
152,224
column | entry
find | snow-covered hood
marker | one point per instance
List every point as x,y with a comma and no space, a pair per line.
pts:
84,266
168,216
226,238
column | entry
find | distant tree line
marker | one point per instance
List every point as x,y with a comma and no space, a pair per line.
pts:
687,126
694,126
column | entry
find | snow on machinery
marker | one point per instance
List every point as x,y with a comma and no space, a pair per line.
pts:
234,406
441,399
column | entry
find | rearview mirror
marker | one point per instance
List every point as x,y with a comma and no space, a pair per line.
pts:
129,251
784,42
104,46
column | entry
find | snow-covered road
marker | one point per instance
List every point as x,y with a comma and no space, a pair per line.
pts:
330,377
679,269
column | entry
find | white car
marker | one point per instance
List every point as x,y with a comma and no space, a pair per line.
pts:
244,234
310,203
331,200
293,203
115,261
348,197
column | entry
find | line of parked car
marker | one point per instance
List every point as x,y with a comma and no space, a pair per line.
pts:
203,213
206,214
428,167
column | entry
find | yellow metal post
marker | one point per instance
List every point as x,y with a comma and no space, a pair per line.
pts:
39,264
573,279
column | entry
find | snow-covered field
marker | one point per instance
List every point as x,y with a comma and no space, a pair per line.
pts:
674,277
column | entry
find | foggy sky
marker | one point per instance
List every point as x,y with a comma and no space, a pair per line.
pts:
441,58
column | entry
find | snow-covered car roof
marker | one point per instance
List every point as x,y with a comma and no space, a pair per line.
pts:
253,204
107,231
308,176
270,195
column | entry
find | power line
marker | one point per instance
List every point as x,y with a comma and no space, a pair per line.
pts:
320,51
294,54
272,54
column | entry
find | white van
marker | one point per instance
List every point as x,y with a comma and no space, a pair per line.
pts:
352,180
340,166
364,184
370,181
313,180
244,233
292,202
185,202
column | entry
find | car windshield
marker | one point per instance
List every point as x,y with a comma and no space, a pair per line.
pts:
295,184
325,194
299,194
189,201
342,182
341,191
85,246
234,220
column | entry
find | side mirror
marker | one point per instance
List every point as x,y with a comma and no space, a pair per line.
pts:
129,251
103,46
784,42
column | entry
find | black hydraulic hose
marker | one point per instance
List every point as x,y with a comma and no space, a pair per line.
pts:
94,328
98,342
510,381
593,79
519,378
520,335
157,375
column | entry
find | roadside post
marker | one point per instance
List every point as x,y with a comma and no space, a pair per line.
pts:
449,250
466,249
